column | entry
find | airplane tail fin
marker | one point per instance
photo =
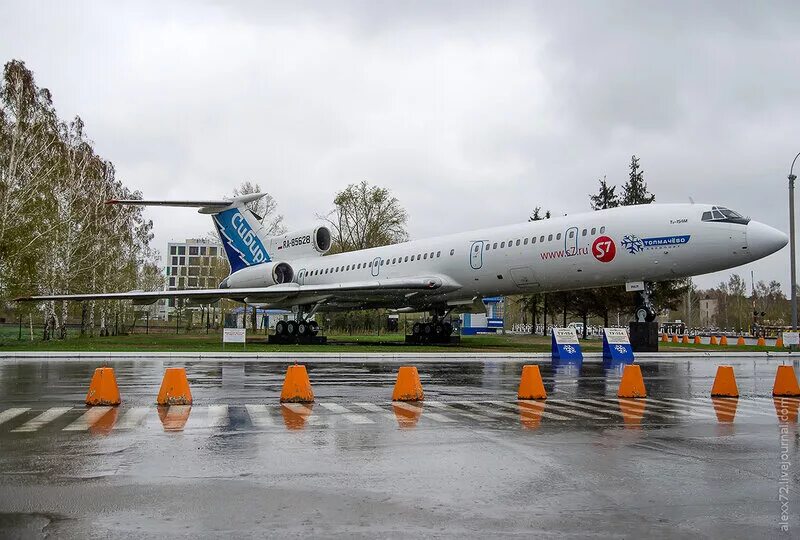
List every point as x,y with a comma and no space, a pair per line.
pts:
239,229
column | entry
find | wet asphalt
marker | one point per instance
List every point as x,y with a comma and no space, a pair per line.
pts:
469,461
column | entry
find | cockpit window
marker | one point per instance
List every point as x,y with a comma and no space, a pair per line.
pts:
724,215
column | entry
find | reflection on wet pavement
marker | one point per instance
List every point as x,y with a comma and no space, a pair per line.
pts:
460,463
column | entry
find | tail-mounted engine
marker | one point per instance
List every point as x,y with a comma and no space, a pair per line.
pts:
303,243
260,275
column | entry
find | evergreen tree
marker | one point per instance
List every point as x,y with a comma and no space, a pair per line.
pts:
635,190
605,198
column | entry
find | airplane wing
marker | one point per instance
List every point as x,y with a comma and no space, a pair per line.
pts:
283,291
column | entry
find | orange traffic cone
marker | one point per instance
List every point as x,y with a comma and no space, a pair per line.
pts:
296,386
675,338
632,384
174,388
530,384
723,340
685,339
664,337
740,341
785,382
761,342
407,387
103,389
725,383
713,340
779,343
697,340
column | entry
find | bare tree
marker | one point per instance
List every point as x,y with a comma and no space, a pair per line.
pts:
366,216
265,208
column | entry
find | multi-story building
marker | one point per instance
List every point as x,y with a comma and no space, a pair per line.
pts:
192,264
708,312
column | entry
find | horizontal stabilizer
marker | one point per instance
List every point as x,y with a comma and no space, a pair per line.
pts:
205,206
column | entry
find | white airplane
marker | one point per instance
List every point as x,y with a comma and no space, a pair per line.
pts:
609,247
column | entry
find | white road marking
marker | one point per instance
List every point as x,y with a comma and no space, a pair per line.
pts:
9,414
371,407
306,412
642,405
217,415
723,405
346,413
489,411
538,407
436,417
88,419
46,417
259,416
661,408
454,410
133,418
564,407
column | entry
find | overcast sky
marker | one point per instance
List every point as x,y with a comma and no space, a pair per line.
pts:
472,113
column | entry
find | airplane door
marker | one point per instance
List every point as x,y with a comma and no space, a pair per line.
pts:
571,241
476,255
524,277
376,266
301,277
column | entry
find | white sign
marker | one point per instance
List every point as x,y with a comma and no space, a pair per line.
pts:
791,338
234,335
632,286
616,336
565,336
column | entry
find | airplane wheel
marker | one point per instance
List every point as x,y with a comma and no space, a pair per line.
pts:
291,328
280,328
428,329
448,329
438,329
303,328
416,329
313,327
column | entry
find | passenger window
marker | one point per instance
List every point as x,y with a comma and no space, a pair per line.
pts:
431,254
549,237
348,268
488,247
526,241
394,260
452,251
584,232
502,244
541,239
477,247
594,231
572,234
419,256
602,229
533,240
517,242
495,245
558,236
438,254
425,256
370,265
406,259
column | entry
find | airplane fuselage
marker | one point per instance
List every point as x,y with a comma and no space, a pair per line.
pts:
610,247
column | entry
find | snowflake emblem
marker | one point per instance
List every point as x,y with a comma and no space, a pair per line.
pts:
632,243
620,349
570,349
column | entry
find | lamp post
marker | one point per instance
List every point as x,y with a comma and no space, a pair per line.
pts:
793,264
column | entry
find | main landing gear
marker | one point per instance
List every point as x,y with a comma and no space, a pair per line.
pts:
301,330
436,331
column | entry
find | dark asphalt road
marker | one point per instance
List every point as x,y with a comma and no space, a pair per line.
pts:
469,461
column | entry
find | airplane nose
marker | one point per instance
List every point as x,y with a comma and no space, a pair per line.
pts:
763,240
